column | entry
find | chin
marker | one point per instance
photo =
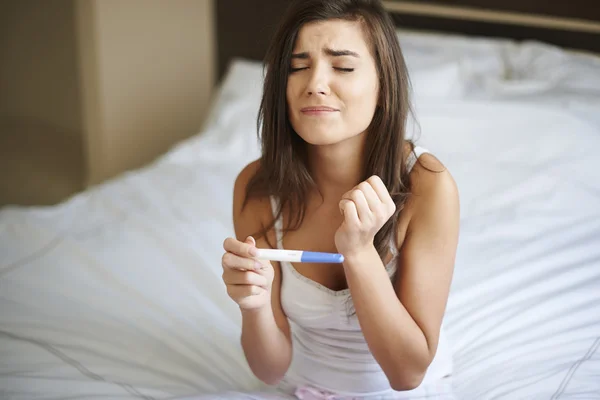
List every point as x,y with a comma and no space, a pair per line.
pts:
318,138
326,137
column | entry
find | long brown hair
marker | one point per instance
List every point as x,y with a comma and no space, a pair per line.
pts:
283,169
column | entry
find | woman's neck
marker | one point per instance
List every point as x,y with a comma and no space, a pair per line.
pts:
337,168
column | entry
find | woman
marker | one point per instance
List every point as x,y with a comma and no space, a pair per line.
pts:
337,175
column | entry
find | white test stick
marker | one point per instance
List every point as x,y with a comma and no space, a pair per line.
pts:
299,256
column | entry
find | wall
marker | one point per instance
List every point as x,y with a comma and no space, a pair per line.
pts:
147,77
92,88
38,71
41,133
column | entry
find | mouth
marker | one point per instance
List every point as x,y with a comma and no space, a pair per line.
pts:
319,110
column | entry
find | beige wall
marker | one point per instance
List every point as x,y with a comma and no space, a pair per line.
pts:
92,88
39,85
147,77
41,141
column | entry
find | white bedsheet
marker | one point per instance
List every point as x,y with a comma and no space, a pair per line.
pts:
116,293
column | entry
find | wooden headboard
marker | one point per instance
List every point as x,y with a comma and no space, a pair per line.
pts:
245,27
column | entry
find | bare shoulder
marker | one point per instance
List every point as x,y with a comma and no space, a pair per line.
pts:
252,214
241,181
240,203
429,173
432,188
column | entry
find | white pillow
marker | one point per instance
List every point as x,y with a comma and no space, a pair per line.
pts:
450,66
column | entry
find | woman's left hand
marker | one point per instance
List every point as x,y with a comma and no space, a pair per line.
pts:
366,208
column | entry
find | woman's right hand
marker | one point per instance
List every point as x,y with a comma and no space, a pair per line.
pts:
248,280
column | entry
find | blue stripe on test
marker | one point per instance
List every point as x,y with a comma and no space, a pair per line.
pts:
316,257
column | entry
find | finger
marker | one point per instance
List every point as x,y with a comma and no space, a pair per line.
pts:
238,292
348,210
373,200
235,277
362,207
262,266
231,260
241,249
382,192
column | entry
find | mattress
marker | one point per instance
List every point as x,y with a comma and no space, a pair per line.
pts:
116,293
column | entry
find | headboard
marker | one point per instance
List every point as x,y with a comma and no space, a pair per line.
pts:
244,27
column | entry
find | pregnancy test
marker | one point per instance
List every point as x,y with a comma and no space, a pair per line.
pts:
298,256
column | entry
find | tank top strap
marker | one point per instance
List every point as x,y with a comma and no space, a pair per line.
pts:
414,156
278,226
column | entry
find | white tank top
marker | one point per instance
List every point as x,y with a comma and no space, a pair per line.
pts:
329,350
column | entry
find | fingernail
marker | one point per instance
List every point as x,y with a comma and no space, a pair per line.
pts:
257,265
252,251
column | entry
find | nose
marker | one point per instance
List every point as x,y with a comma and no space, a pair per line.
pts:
318,83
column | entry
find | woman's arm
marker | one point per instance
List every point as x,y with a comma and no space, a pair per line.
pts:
265,331
401,321
266,339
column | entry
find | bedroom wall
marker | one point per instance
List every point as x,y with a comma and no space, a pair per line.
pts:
90,89
41,158
148,74
38,74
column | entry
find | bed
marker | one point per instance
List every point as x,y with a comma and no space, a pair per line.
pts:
116,292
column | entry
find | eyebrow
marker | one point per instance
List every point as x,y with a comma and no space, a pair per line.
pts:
340,53
329,52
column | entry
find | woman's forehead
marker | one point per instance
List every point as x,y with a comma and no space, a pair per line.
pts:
331,34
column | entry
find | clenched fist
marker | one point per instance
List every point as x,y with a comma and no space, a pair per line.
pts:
248,280
366,208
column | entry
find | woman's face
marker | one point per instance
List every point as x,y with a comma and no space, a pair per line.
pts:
333,85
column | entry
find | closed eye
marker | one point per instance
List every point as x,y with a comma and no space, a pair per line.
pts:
292,69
